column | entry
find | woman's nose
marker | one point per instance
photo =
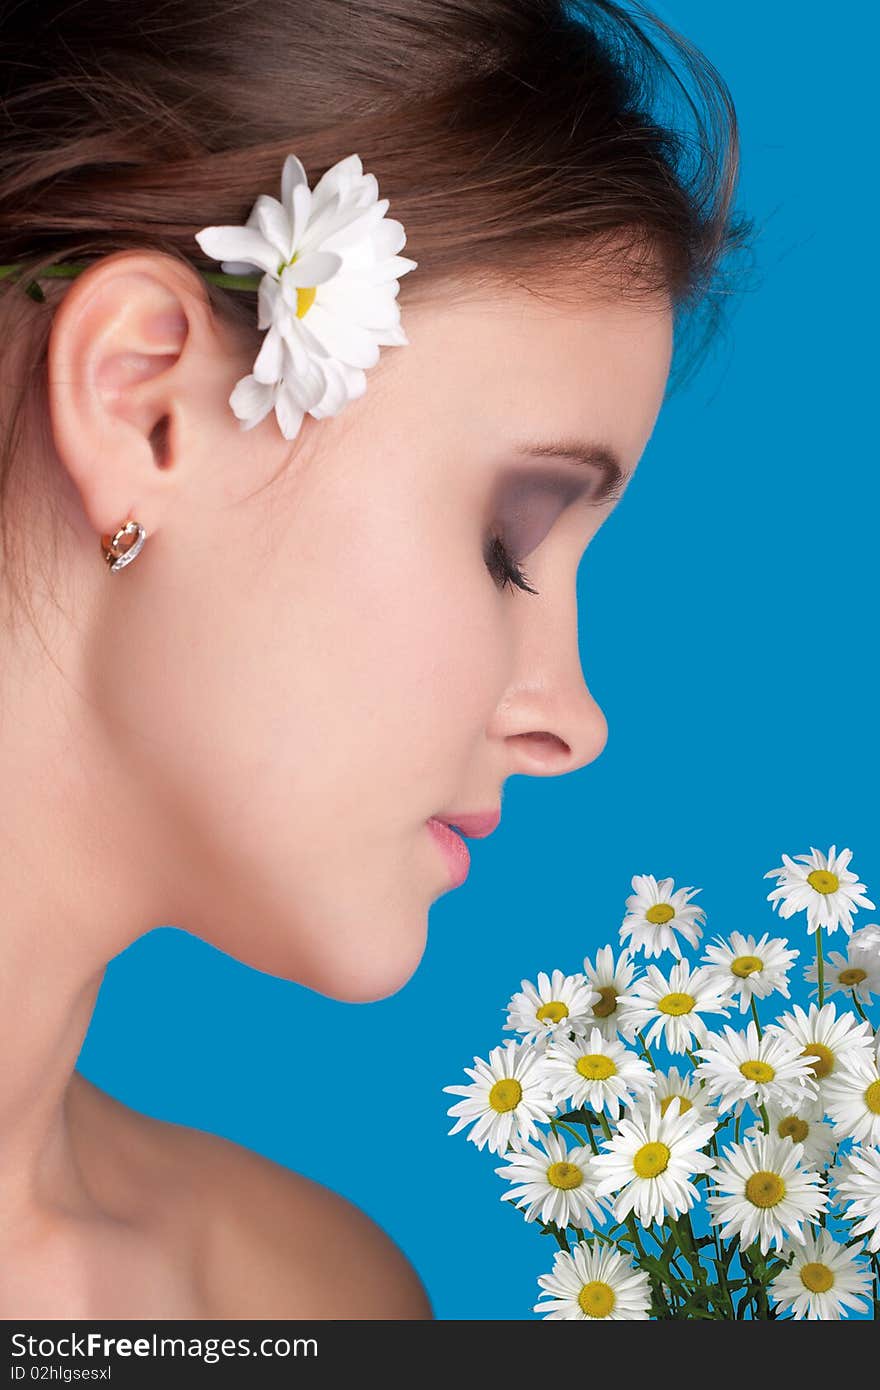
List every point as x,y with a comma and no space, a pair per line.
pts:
548,720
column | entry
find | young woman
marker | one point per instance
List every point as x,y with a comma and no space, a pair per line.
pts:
333,635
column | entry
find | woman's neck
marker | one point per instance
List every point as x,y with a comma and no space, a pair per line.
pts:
66,912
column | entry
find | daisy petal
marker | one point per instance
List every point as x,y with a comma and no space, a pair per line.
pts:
239,244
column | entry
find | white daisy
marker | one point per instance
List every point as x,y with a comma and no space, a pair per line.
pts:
867,938
858,1184
763,1192
655,913
748,968
557,1006
743,1067
650,1161
328,293
802,1124
691,1094
852,1099
823,1280
822,886
594,1282
857,973
672,1005
556,1184
595,1072
507,1097
611,982
828,1041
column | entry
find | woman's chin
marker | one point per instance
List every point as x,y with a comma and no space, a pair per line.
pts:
366,975
357,967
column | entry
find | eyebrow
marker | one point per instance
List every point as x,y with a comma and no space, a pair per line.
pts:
586,454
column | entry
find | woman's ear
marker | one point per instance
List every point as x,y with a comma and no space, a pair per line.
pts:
132,354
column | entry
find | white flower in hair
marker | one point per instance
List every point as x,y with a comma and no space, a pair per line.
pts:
328,295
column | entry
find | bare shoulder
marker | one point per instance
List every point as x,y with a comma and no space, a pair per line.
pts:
275,1244
249,1237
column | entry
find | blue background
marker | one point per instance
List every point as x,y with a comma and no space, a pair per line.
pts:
727,628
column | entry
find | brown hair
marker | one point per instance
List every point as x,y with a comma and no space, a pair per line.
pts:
510,136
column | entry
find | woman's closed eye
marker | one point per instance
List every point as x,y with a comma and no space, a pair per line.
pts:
503,567
530,506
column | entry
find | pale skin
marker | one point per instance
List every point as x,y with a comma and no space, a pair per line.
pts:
244,732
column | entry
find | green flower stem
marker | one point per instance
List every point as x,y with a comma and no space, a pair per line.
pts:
661,1246
560,1235
605,1125
232,282
736,1128
763,1110
57,272
820,967
600,1235
687,1247
716,1235
721,1274
67,272
560,1124
823,1215
647,1051
858,1008
593,1145
634,1234
694,1060
755,1016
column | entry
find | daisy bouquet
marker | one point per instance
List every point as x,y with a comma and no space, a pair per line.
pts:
691,1153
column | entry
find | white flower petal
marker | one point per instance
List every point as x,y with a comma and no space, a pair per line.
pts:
339,178
267,366
351,344
288,414
251,400
239,244
357,227
272,222
312,269
293,175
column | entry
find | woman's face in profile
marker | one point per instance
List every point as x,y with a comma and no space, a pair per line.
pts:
327,660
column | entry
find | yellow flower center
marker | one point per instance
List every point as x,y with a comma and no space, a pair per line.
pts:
824,1059
505,1095
660,913
823,881
650,1160
595,1066
817,1278
757,1071
607,1002
872,1097
305,294
305,298
565,1175
597,1300
852,976
765,1189
744,966
793,1127
676,1004
553,1012
683,1107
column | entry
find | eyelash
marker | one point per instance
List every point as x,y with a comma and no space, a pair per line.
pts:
500,561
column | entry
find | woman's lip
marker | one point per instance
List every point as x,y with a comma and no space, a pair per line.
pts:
476,826
454,848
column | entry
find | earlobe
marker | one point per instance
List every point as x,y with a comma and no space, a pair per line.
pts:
120,351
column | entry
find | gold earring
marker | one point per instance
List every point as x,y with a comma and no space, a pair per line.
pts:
117,557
